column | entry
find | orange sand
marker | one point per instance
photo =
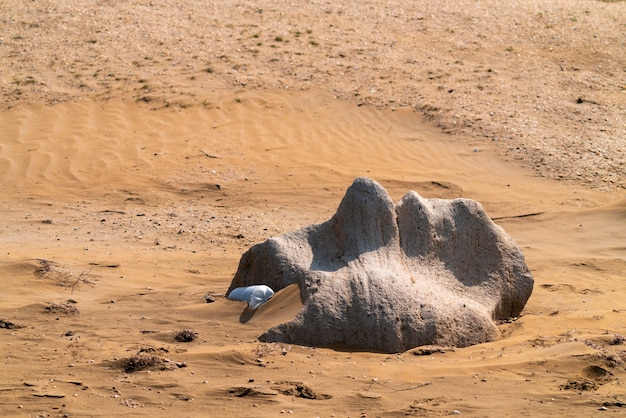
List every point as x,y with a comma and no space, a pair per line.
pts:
145,146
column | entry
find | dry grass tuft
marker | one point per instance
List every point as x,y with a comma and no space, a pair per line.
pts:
144,361
149,358
580,385
48,270
186,335
66,308
612,359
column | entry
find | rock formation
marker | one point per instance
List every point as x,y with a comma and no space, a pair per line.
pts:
390,277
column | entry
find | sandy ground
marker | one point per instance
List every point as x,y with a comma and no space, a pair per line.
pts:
144,146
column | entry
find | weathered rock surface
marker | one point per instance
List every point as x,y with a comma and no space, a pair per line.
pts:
390,277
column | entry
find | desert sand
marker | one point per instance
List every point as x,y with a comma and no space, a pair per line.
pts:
145,145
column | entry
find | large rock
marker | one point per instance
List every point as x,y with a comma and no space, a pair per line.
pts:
390,277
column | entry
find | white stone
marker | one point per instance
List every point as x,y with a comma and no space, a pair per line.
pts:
255,295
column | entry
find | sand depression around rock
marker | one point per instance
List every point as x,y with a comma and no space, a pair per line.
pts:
391,277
